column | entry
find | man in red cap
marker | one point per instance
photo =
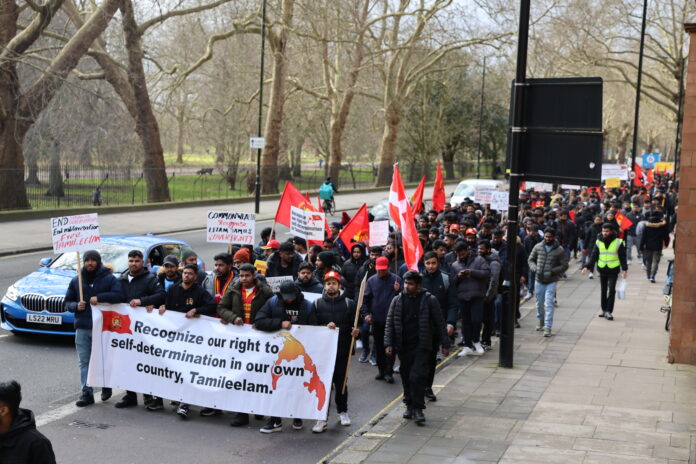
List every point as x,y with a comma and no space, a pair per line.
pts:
380,290
336,311
470,235
270,247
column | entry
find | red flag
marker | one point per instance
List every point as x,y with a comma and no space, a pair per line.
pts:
115,322
290,197
357,230
650,177
417,198
638,180
320,209
439,190
571,215
402,215
623,221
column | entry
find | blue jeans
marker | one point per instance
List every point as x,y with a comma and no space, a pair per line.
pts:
83,344
545,294
531,281
630,243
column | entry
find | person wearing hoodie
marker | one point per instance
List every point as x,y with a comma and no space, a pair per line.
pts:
326,261
306,280
20,442
471,273
610,255
368,268
336,311
491,256
280,312
655,237
350,268
284,262
549,261
98,286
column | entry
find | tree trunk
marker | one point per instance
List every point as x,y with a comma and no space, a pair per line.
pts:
55,178
297,158
335,150
13,192
622,144
387,151
219,153
32,179
145,121
276,102
180,133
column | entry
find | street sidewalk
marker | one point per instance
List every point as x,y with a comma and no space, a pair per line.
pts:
597,391
34,234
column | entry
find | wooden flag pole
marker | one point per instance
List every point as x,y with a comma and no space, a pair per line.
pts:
355,324
79,277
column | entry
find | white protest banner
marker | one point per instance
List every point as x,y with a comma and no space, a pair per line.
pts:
231,227
202,362
484,195
539,186
610,171
500,201
307,224
379,233
571,187
75,233
274,282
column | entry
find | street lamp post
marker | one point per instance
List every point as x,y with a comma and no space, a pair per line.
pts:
257,200
483,88
638,85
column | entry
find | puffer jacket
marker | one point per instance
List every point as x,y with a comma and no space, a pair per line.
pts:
23,444
231,306
431,324
474,285
548,266
274,269
275,311
104,286
655,236
311,286
494,263
341,311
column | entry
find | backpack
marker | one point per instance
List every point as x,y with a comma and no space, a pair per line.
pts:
308,305
326,191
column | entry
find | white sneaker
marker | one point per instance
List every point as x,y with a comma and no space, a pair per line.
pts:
629,262
591,275
345,420
358,345
319,427
479,349
465,351
397,369
527,296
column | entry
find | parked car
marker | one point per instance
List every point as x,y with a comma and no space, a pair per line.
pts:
467,189
36,302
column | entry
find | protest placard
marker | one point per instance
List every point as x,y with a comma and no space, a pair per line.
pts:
202,362
274,282
484,195
75,233
539,186
612,182
261,266
500,201
571,187
231,227
379,233
610,171
307,224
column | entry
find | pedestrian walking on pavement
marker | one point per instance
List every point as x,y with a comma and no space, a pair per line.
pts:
610,256
548,261
413,323
655,237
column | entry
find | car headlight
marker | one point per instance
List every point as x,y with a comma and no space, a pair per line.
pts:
12,293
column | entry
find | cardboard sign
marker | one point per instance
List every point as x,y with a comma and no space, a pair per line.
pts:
274,282
379,233
307,224
613,182
500,201
483,195
75,233
231,227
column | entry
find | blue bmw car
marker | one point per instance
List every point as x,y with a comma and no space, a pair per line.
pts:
36,303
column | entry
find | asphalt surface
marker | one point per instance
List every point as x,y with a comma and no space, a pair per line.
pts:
46,366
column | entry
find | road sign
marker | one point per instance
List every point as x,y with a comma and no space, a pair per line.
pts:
257,143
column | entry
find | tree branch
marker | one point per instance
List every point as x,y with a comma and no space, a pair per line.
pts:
173,13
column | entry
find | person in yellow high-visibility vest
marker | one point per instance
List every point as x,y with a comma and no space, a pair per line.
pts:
609,254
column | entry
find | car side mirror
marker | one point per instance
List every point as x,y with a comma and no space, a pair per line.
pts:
43,262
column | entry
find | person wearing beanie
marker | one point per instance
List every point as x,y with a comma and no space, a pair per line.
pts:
334,229
98,286
242,256
326,261
190,257
351,267
335,311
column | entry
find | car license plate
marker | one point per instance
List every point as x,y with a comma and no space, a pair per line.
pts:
44,319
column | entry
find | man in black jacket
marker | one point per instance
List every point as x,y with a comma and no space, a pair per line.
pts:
655,237
20,442
306,280
286,308
140,289
284,262
187,297
351,267
414,321
368,268
337,312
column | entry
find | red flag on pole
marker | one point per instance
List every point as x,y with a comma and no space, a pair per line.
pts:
650,177
402,215
417,198
290,197
623,221
638,180
357,230
439,190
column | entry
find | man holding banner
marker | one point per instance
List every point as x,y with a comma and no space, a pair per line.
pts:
98,286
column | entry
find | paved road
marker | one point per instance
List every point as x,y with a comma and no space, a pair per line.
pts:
47,369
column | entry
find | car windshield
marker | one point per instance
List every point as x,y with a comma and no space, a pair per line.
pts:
465,190
116,255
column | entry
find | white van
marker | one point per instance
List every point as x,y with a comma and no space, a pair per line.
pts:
467,189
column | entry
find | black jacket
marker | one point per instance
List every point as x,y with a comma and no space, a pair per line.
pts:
23,444
182,300
350,270
274,269
367,268
655,236
271,316
313,286
340,311
446,294
431,325
145,287
103,285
